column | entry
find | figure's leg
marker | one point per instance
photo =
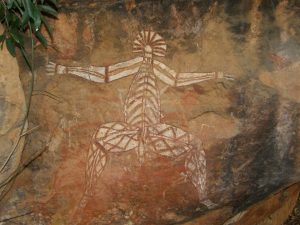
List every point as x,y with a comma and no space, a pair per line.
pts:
174,142
168,140
96,162
195,165
110,138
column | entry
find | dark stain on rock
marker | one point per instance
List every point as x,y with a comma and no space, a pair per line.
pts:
118,7
199,89
260,159
268,6
270,38
237,18
240,28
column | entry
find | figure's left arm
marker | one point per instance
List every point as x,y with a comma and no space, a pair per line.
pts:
175,79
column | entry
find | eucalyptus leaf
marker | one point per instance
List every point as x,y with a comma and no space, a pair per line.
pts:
36,18
48,9
28,5
2,12
15,21
54,2
25,19
10,4
17,36
19,2
9,18
10,46
41,38
47,26
2,37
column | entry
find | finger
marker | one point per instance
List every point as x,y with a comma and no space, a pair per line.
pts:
229,77
49,69
50,65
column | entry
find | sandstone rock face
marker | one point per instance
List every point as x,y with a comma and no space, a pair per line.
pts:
271,211
12,113
157,174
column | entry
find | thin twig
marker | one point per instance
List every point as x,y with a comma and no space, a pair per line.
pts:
28,105
21,168
48,94
30,130
15,217
6,189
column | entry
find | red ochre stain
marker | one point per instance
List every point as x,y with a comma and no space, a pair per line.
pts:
151,187
189,98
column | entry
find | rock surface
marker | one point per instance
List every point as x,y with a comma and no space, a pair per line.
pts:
12,114
248,126
271,211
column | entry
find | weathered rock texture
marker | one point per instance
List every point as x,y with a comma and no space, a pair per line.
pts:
249,126
271,211
12,115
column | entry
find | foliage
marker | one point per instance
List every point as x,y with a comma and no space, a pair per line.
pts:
21,17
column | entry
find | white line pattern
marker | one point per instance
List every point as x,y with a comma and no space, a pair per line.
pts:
142,130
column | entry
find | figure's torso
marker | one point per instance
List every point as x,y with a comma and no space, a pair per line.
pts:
142,106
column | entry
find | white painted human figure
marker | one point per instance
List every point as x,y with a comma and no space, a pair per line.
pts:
142,130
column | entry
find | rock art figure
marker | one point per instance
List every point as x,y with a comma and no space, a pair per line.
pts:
142,130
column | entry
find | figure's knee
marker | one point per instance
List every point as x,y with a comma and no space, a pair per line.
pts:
96,146
108,128
196,143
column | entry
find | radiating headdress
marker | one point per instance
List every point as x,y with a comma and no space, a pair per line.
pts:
149,40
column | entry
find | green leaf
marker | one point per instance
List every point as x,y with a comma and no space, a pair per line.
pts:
2,37
26,58
28,5
54,2
47,26
20,2
48,9
41,38
10,46
10,4
15,22
2,12
36,18
25,19
17,36
9,17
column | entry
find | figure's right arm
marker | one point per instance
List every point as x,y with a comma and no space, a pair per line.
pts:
99,74
96,74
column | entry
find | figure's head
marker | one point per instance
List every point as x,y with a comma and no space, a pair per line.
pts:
149,43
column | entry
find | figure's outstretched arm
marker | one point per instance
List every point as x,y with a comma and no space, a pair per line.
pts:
175,79
100,74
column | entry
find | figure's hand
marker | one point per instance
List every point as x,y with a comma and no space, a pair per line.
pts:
222,75
51,69
228,77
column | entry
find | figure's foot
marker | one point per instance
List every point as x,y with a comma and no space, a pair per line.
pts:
208,203
76,215
75,220
84,200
